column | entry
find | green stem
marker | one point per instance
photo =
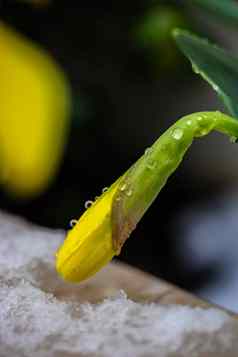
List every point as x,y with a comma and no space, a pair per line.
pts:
144,180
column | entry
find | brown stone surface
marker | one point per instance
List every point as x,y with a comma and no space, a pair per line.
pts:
137,284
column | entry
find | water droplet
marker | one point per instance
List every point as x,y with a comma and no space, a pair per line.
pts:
148,151
177,134
151,165
199,118
123,187
189,122
73,222
129,193
104,189
118,199
203,132
88,204
233,139
96,197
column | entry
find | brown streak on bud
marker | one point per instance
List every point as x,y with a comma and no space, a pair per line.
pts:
122,225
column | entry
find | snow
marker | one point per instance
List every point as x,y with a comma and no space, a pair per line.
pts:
34,322
208,236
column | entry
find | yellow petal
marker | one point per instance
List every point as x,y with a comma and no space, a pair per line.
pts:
88,245
34,115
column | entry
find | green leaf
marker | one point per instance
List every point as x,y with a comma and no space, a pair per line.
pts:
218,67
225,9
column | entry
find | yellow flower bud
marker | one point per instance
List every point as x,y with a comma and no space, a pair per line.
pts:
103,229
89,245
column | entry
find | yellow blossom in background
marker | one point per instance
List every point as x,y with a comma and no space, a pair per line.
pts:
34,115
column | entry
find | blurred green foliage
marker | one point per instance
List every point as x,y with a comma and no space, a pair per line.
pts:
226,10
153,35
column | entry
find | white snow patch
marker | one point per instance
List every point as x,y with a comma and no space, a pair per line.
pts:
34,323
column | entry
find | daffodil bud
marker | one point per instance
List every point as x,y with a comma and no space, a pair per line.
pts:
89,244
103,229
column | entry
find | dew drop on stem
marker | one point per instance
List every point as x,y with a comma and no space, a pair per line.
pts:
151,165
233,139
148,151
88,204
129,193
177,134
73,222
123,187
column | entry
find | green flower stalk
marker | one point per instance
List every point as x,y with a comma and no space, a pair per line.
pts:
103,229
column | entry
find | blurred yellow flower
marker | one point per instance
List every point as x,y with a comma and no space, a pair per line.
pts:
34,115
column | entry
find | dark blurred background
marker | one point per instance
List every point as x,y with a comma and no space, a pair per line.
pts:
129,83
